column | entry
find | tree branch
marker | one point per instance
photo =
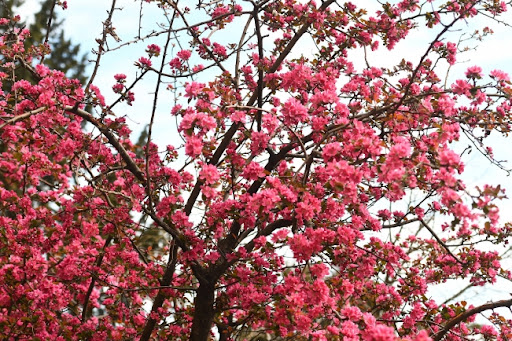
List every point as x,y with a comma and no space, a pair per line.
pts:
99,260
22,116
161,296
443,244
468,313
130,163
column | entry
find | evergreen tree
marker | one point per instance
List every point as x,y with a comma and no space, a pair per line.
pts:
7,6
64,54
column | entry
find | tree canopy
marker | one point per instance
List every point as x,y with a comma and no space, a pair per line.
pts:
305,193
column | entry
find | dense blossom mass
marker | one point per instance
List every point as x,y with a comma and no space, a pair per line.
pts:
308,194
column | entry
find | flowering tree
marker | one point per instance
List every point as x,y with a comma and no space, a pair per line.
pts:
271,219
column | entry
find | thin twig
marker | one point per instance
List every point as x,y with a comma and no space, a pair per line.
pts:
99,260
101,42
48,27
439,240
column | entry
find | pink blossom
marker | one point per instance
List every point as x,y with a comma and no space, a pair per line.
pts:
448,157
118,88
176,63
193,89
297,77
130,97
352,313
447,105
198,68
294,112
193,146
474,72
330,150
238,116
349,330
120,77
277,223
384,214
153,50
209,174
461,87
500,75
379,332
422,336
253,171
144,62
220,10
452,51
98,95
139,320
259,142
46,98
42,70
184,54
219,50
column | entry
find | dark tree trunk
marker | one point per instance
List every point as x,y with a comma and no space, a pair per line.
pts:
203,316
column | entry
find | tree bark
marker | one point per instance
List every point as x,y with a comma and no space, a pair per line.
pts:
203,315
161,296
